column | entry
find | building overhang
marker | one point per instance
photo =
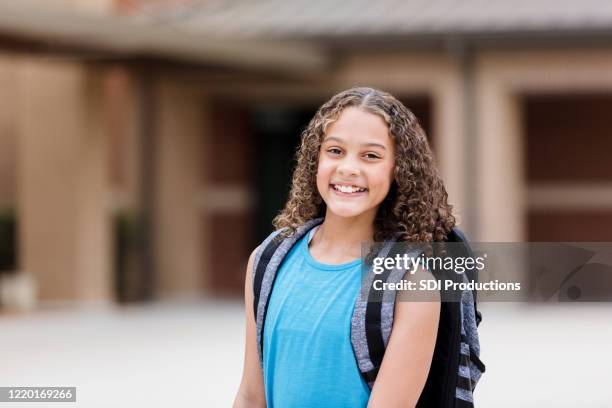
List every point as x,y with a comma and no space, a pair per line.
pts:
115,36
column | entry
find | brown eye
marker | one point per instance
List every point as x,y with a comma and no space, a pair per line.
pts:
334,151
372,156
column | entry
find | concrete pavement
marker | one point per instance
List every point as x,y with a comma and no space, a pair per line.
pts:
190,354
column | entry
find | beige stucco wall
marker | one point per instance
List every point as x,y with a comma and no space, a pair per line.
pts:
62,180
178,169
123,115
8,137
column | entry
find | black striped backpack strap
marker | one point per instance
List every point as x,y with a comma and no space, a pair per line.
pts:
372,318
442,382
470,367
371,329
457,236
268,258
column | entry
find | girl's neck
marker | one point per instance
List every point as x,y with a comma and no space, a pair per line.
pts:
339,239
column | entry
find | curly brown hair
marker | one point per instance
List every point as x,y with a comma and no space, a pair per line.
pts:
416,206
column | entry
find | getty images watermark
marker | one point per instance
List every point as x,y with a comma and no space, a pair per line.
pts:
502,271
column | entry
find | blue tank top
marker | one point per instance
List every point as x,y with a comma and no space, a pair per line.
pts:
308,360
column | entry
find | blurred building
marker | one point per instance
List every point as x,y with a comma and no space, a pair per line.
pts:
146,145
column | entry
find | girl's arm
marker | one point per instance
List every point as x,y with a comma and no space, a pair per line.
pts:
408,355
251,393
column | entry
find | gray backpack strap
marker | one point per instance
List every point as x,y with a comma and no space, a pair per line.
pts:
268,258
470,366
372,318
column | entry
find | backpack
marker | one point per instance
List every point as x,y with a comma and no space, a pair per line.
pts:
455,367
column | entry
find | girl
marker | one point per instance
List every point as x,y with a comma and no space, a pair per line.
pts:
364,164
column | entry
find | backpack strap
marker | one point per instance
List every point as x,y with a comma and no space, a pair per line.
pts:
268,258
372,318
470,367
441,384
456,235
456,367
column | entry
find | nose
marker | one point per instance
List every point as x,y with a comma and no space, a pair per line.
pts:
348,167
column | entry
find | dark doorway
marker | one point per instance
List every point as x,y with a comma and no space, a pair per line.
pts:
278,129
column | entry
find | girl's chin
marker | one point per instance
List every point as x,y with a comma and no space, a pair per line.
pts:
346,212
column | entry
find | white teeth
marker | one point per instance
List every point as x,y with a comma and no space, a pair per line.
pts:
348,189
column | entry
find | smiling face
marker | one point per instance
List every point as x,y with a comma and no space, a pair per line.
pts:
356,164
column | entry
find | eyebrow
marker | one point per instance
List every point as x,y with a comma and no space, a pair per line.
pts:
337,139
